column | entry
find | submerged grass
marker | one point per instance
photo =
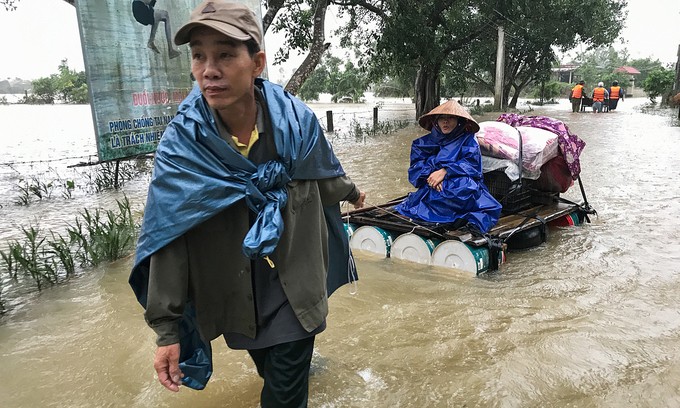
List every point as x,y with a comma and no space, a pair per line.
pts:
45,259
103,236
359,132
105,176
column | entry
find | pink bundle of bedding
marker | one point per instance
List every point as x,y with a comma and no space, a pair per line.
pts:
500,140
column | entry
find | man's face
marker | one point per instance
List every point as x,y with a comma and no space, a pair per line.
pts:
223,68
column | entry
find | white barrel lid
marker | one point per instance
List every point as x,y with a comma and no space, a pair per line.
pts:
455,254
412,247
371,239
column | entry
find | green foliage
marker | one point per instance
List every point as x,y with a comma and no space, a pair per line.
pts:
340,81
314,85
645,66
103,236
659,83
481,109
44,91
71,86
533,33
548,91
30,258
109,176
68,86
351,83
394,86
34,187
295,20
449,47
59,250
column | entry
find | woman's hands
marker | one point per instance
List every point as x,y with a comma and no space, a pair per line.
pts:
435,179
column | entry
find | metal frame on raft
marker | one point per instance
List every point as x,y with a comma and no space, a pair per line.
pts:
381,230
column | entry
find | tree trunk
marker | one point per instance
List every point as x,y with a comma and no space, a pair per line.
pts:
513,101
427,90
273,7
315,51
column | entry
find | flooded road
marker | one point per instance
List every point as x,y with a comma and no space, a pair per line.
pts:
589,319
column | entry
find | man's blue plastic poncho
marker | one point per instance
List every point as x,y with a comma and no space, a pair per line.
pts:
197,175
464,195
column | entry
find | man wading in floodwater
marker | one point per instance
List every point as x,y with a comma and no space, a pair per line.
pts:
242,235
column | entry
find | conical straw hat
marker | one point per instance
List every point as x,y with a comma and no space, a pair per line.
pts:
448,108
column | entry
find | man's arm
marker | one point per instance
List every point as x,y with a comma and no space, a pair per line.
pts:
167,295
336,189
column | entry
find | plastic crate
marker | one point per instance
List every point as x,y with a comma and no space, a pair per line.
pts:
512,197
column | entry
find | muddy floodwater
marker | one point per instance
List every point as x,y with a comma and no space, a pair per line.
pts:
589,319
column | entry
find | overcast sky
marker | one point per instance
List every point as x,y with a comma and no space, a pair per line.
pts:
40,33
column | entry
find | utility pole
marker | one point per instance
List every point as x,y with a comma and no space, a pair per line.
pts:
676,87
500,67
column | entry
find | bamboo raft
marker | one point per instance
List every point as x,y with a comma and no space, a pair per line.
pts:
466,249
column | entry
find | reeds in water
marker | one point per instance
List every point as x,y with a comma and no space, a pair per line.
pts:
48,259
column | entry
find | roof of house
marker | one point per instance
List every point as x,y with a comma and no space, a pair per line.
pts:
627,70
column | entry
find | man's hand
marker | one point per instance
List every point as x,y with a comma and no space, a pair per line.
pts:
359,203
166,363
435,179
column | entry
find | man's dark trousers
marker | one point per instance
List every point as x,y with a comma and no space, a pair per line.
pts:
285,370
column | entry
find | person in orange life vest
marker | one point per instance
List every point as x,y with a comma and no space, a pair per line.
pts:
577,93
600,96
615,93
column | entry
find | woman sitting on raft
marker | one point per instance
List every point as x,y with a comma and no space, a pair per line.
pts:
446,168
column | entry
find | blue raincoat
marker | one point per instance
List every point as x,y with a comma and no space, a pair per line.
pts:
464,195
197,175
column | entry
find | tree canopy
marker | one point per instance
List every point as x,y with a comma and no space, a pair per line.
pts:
68,86
340,80
659,83
534,31
456,40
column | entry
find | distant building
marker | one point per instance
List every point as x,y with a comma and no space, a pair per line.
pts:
630,89
565,73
